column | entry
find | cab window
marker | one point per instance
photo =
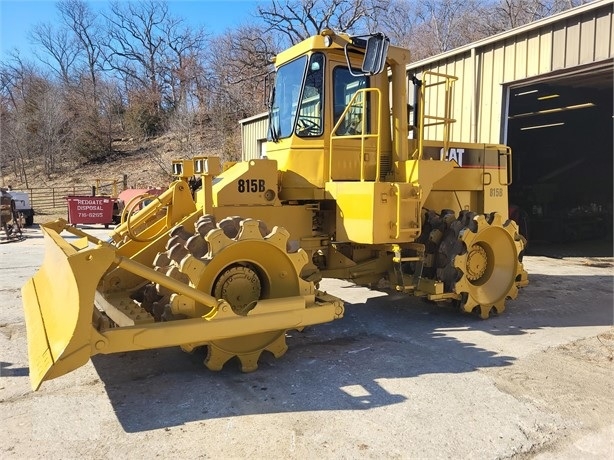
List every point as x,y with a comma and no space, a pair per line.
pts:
344,86
310,115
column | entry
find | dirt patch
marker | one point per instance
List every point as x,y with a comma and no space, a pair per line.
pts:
574,380
598,263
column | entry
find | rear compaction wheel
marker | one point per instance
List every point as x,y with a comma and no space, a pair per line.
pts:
491,263
477,257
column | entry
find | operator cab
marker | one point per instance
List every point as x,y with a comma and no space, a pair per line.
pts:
300,83
323,97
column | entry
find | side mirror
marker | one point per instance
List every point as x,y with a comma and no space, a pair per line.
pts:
375,54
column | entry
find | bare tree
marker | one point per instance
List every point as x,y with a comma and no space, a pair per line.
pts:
447,24
185,49
507,14
297,20
32,120
92,136
82,22
135,45
398,21
53,129
58,49
15,78
156,56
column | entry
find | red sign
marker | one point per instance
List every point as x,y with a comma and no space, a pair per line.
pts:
90,209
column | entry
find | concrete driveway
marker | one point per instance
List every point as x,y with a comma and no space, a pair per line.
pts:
395,378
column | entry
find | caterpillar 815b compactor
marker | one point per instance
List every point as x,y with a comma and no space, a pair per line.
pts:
232,259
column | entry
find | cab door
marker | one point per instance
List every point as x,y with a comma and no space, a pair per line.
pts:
354,127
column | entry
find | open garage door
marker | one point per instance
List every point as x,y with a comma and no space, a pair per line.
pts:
560,130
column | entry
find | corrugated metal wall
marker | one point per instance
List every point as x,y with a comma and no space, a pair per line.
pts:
253,135
574,38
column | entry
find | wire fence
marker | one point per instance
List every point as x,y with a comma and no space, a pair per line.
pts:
52,200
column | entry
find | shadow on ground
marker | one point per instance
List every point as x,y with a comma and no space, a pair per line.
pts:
7,370
343,365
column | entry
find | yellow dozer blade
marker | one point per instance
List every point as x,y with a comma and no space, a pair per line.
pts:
59,305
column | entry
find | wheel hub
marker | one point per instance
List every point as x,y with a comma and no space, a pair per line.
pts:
477,261
240,287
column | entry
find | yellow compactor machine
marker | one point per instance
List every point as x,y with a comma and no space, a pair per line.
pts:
232,259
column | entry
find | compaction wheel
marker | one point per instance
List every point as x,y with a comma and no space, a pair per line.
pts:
490,260
240,261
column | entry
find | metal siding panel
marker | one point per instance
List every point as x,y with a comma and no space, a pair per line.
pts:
495,116
459,69
533,53
509,61
441,97
558,46
458,94
473,97
254,141
572,46
590,8
463,95
587,39
487,64
603,35
432,102
484,121
455,68
248,142
495,95
521,58
245,141
498,76
545,51
448,70
260,134
457,97
436,103
255,152
253,132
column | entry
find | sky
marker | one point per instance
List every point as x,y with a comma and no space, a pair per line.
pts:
17,17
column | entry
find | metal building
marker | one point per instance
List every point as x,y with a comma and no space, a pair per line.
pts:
573,49
544,89
253,136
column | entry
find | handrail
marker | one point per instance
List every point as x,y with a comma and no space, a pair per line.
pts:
446,120
362,136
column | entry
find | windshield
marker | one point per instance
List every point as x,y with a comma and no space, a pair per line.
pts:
297,99
285,97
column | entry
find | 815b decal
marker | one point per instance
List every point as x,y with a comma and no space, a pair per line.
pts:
250,186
